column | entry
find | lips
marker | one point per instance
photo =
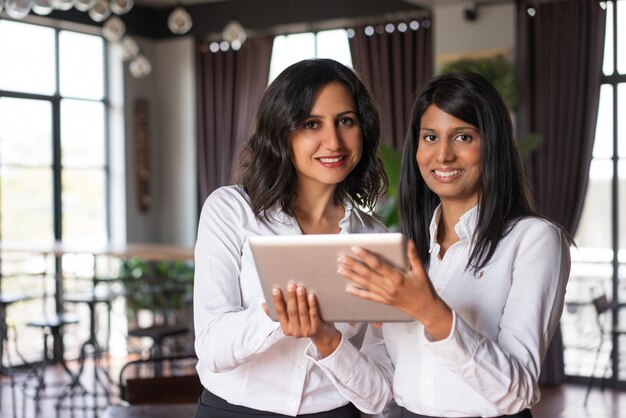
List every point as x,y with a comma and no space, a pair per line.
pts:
331,160
447,173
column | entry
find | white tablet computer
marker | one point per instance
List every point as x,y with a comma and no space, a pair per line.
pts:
311,260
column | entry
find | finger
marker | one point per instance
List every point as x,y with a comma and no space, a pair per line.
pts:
281,308
314,311
378,265
377,324
365,294
415,262
265,309
364,277
303,309
292,305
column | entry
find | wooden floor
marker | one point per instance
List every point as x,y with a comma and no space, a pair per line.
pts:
564,401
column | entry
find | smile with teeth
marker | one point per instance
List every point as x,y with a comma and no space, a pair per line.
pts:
450,173
329,160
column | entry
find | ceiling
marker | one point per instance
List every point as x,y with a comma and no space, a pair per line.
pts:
149,17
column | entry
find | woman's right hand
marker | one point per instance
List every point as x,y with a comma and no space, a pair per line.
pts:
299,317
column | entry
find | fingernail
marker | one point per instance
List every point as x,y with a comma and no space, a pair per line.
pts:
291,287
275,291
300,290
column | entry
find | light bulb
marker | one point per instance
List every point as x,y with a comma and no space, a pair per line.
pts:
42,7
140,67
83,5
130,49
233,31
62,4
100,11
113,29
179,21
17,9
120,7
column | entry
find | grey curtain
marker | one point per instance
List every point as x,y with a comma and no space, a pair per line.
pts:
560,53
396,61
229,88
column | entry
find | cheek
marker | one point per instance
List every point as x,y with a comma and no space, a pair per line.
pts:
422,161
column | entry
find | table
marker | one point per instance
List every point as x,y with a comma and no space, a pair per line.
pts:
151,411
56,249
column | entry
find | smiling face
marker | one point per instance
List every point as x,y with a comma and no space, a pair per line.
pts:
329,144
448,156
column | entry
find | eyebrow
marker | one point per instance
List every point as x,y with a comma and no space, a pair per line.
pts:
455,129
346,112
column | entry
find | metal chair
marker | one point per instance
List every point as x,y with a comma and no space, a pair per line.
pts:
603,307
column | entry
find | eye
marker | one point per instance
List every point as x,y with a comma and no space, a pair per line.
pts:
463,138
310,124
429,138
346,121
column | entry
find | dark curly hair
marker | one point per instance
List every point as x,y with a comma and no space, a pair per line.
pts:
266,171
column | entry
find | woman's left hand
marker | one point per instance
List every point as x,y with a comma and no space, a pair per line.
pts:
408,291
299,317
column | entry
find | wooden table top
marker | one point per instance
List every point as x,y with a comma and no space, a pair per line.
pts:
182,410
145,251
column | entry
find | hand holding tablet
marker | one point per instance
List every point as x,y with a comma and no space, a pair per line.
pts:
311,261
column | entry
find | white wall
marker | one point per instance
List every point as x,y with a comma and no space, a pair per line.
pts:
170,91
493,30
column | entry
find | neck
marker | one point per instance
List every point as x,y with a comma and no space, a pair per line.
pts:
316,212
446,234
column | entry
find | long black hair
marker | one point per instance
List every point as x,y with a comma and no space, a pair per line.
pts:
266,170
502,190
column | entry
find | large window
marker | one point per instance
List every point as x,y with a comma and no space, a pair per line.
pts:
53,165
599,263
289,49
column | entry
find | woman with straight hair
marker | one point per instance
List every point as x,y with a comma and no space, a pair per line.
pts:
487,273
310,167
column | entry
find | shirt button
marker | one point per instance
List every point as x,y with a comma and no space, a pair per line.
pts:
292,403
428,383
302,366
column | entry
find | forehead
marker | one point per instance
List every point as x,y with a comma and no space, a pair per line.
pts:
436,119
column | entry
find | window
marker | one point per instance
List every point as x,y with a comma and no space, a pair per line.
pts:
53,162
600,260
289,49
53,166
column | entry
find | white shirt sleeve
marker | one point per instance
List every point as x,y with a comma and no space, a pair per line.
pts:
227,333
505,371
363,377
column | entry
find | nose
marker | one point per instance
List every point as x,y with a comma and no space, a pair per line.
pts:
444,152
332,138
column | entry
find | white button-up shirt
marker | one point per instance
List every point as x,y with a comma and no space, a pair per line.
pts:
243,356
504,316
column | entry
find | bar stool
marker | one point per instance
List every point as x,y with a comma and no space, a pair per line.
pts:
6,300
51,326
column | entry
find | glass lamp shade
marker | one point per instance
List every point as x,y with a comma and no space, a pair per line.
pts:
17,9
179,21
83,5
233,32
140,67
100,11
113,29
42,7
62,4
130,49
120,7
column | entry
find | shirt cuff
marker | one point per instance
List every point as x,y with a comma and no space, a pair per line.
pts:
341,361
266,326
458,348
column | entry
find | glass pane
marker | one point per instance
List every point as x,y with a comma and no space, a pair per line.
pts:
603,143
290,49
594,229
334,44
609,58
27,62
26,204
621,122
621,37
81,65
621,169
82,133
83,200
25,132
